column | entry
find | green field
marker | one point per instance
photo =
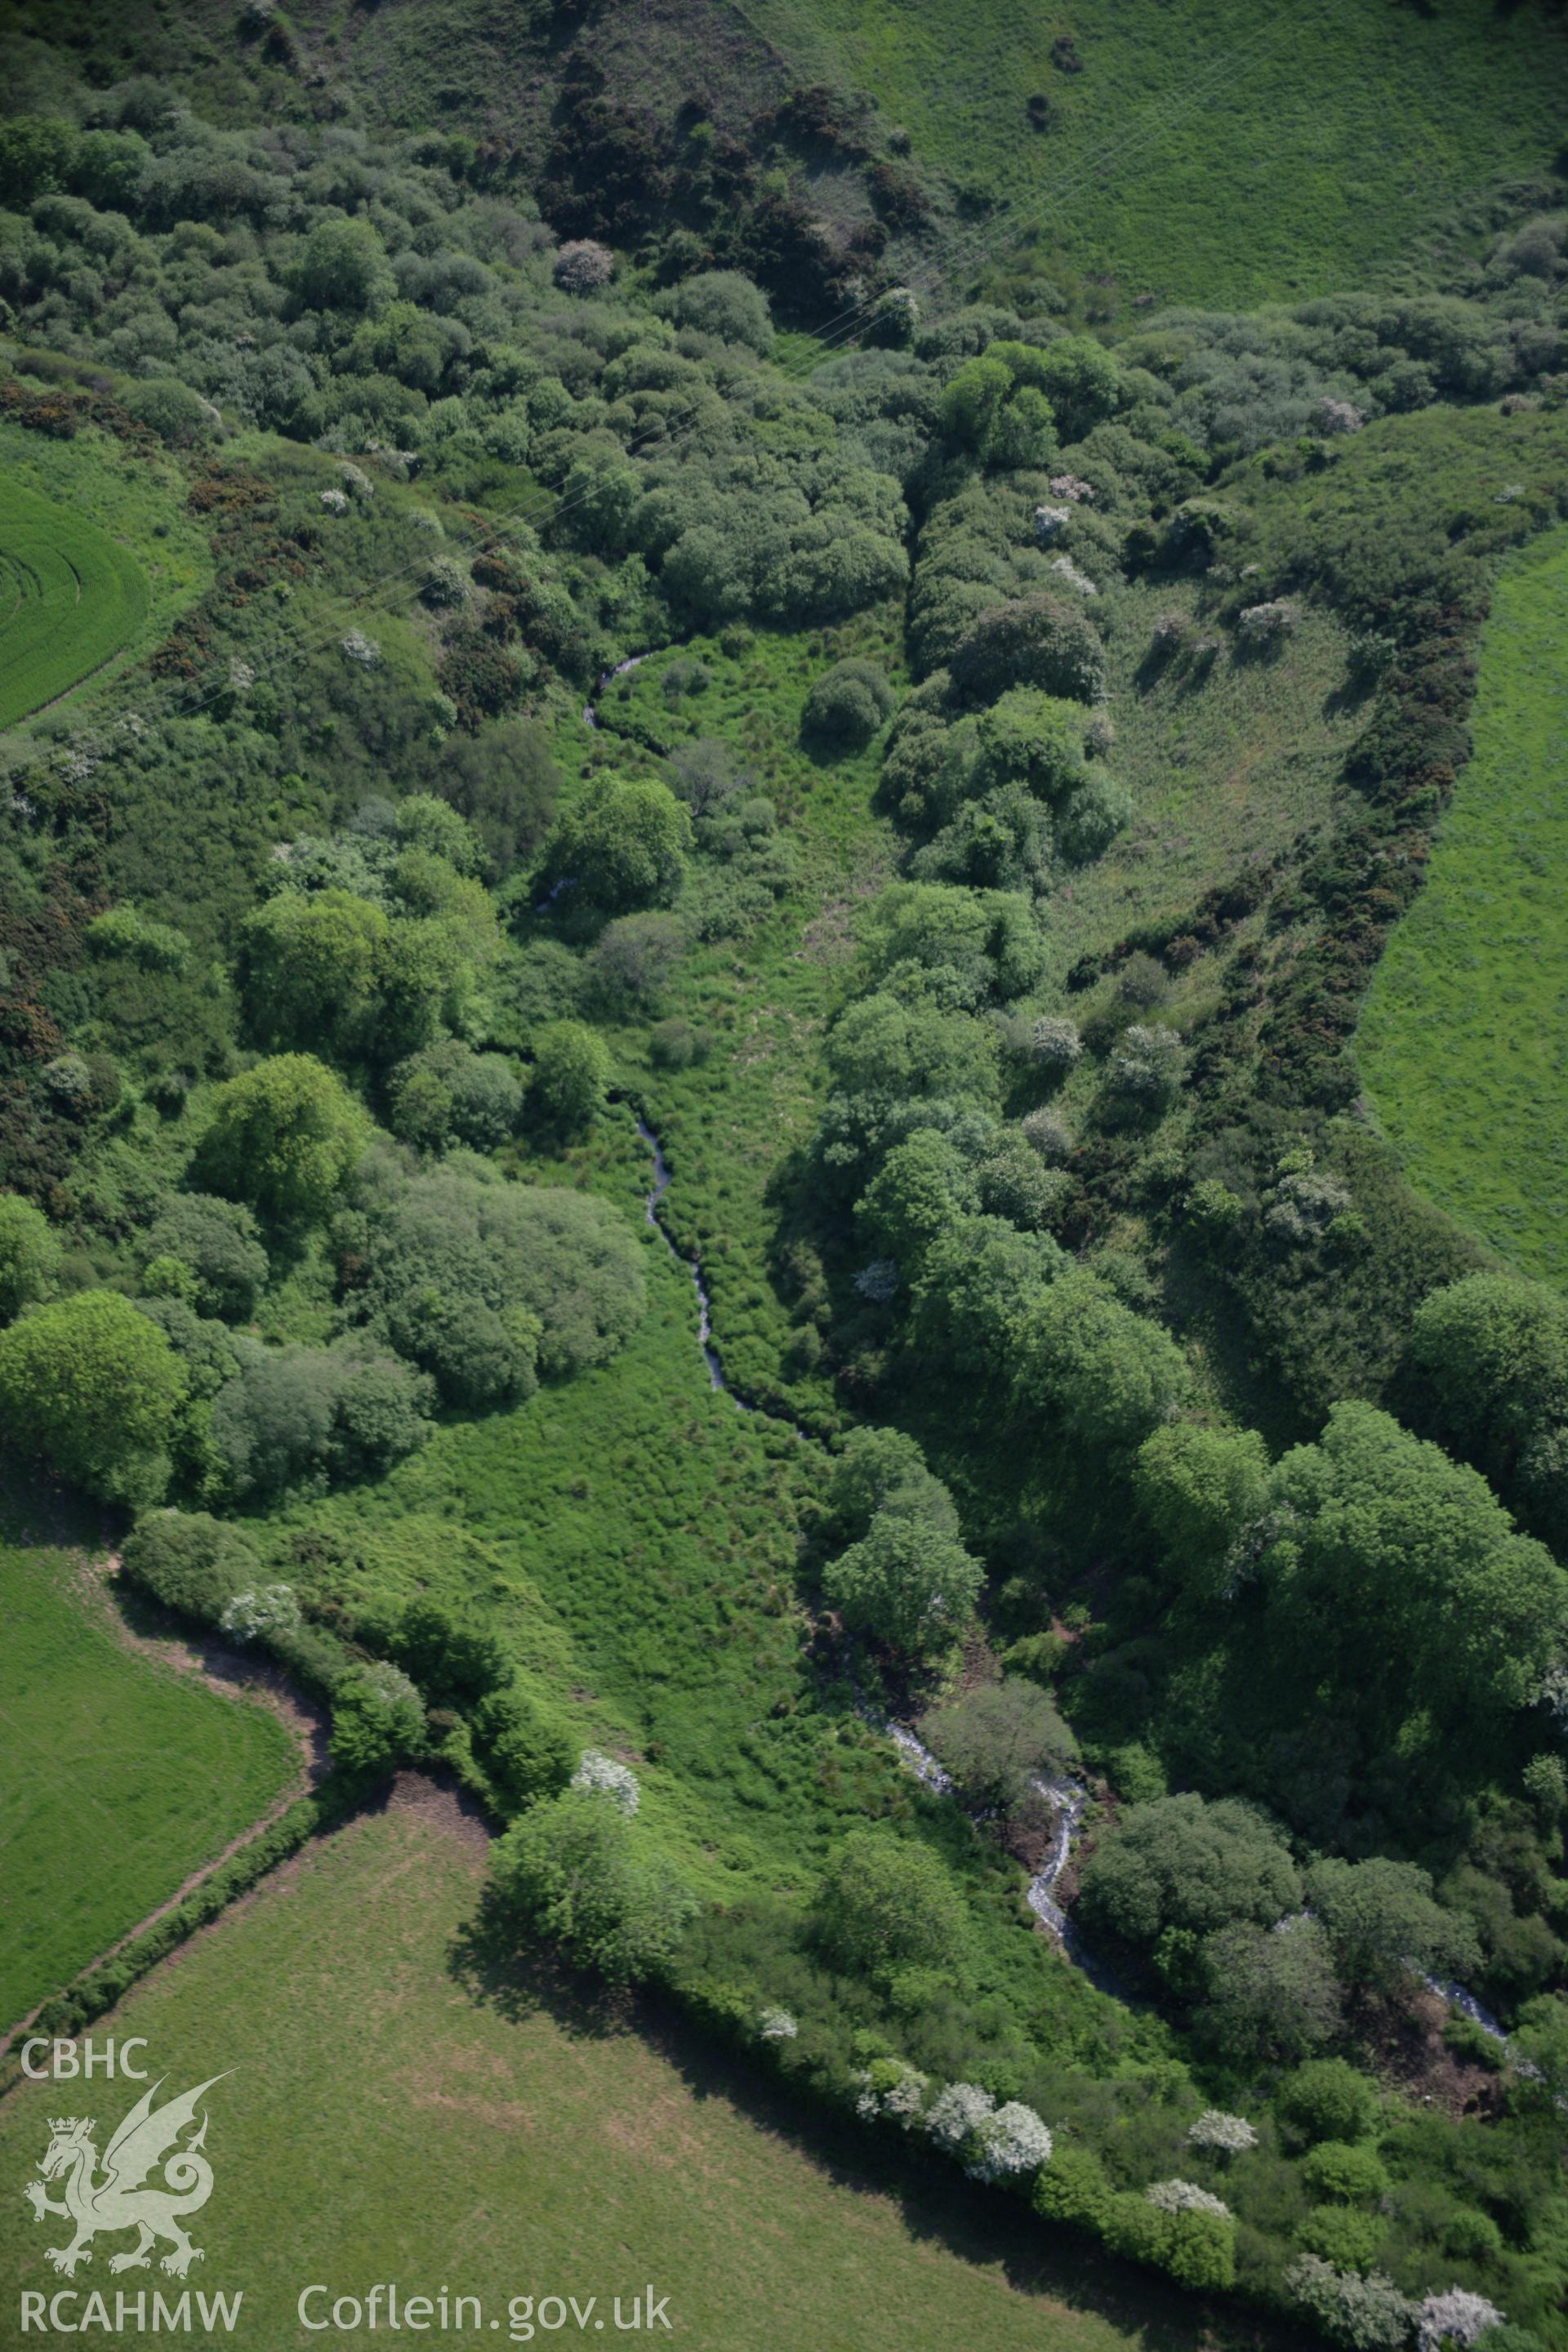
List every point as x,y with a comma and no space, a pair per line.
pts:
1226,767
383,2124
69,598
123,1776
1216,156
1462,1039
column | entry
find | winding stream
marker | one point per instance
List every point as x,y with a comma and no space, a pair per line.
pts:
704,1320
1068,1798
1068,1801
591,709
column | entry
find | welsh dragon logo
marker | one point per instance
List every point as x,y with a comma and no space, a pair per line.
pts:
117,2199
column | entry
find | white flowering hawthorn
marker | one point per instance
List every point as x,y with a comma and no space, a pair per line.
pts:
1054,1041
1050,520
1148,1065
357,482
1307,1204
335,501
1368,2313
896,316
1457,2317
1066,568
777,2025
361,649
390,1682
1259,623
1553,1695
1013,2140
893,2089
583,266
270,1609
1225,2135
877,1281
444,583
1046,1132
1186,2197
957,2112
608,1779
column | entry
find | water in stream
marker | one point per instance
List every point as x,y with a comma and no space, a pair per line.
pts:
704,1321
1069,1798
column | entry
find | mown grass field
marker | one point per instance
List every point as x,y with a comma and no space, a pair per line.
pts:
69,599
1217,156
1462,1040
385,2120
123,1776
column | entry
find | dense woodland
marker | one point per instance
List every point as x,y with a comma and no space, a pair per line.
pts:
1117,1408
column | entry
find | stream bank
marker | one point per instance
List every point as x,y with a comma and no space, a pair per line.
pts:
1068,1799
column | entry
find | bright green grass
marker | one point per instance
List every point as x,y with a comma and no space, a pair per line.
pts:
69,598
1226,767
729,1124
122,1777
130,499
1229,155
631,1536
380,2123
1462,1039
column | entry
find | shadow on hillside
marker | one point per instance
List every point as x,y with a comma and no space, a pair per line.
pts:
484,1959
937,2205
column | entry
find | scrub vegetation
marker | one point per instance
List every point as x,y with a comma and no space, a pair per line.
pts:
897,823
